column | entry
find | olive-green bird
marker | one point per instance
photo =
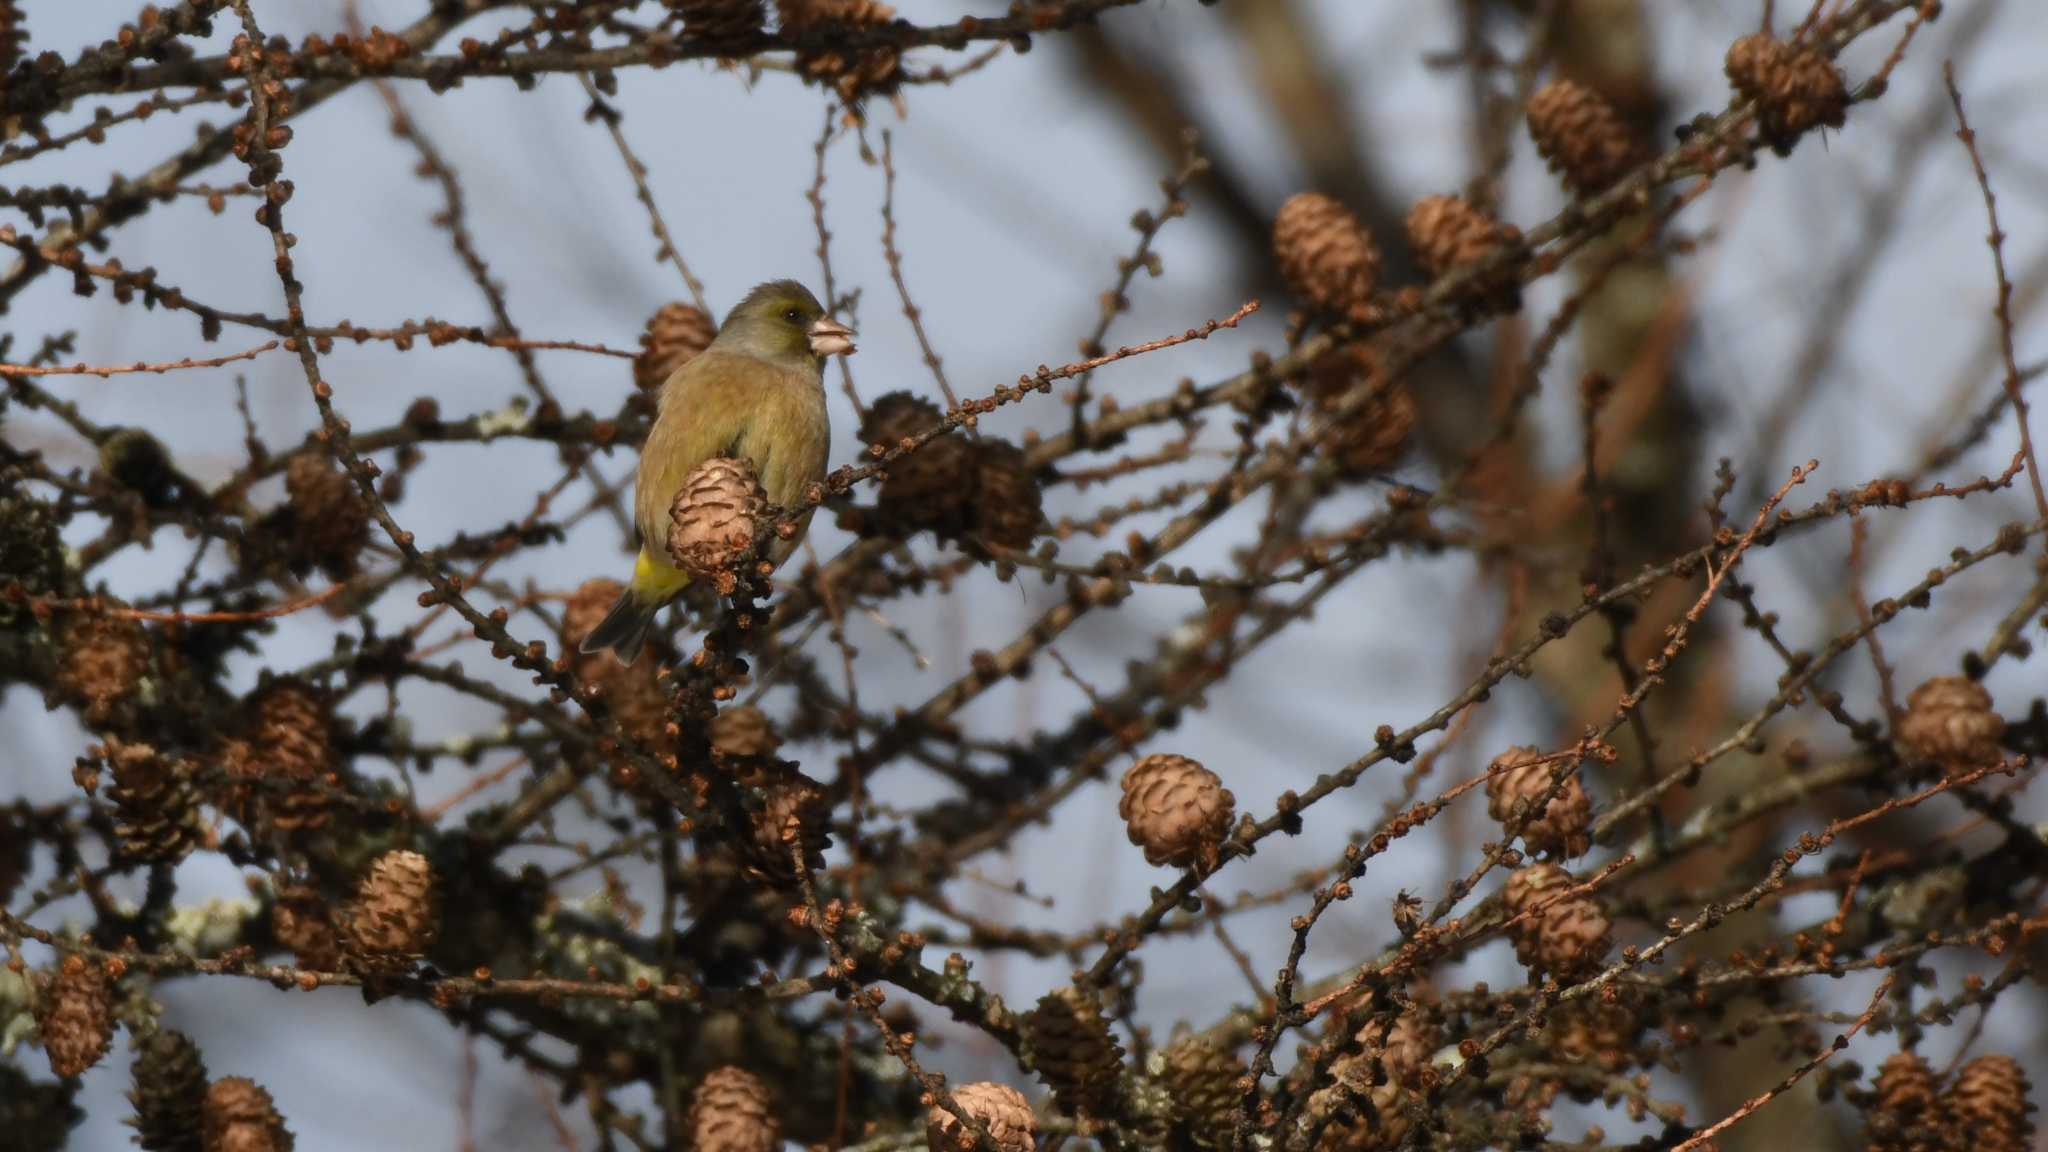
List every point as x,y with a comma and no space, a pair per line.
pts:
757,393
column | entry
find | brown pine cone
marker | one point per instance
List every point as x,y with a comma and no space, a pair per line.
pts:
283,762
330,521
730,1112
101,660
581,614
711,528
932,487
791,815
302,920
1374,438
898,416
1176,810
1007,501
393,918
1358,1110
1988,1102
1202,1079
1598,1031
1796,88
678,331
718,20
169,1094
853,74
1520,777
633,692
1949,720
743,732
75,1015
1074,1052
1001,1109
1905,1111
1326,256
1564,934
156,810
1449,232
1405,1044
1581,135
241,1117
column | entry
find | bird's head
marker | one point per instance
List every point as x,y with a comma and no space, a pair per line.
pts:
782,321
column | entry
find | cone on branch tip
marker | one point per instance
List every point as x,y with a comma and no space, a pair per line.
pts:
1176,810
1795,87
853,73
302,920
1202,1078
1580,135
712,519
1007,500
330,523
394,915
156,809
1523,776
1989,1102
730,1112
101,660
1075,1053
1904,1108
241,1117
168,1094
1949,719
677,332
742,732
1450,232
1000,1108
1326,256
75,1015
1563,933
1373,438
279,766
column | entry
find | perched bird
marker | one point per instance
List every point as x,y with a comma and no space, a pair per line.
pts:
757,393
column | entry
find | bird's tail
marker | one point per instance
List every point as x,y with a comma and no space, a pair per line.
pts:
624,629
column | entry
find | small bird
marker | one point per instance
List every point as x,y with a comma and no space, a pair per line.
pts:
757,393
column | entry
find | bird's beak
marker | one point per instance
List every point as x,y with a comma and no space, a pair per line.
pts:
831,338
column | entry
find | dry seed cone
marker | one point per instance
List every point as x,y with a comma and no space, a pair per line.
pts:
677,332
1989,1103
393,918
1949,719
169,1094
1177,810
1580,135
1326,256
1564,934
730,1112
1076,1054
712,517
1203,1080
1007,500
1001,1109
156,809
330,521
1521,776
75,1015
240,1117
101,660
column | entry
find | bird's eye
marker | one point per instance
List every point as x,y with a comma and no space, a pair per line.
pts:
792,314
